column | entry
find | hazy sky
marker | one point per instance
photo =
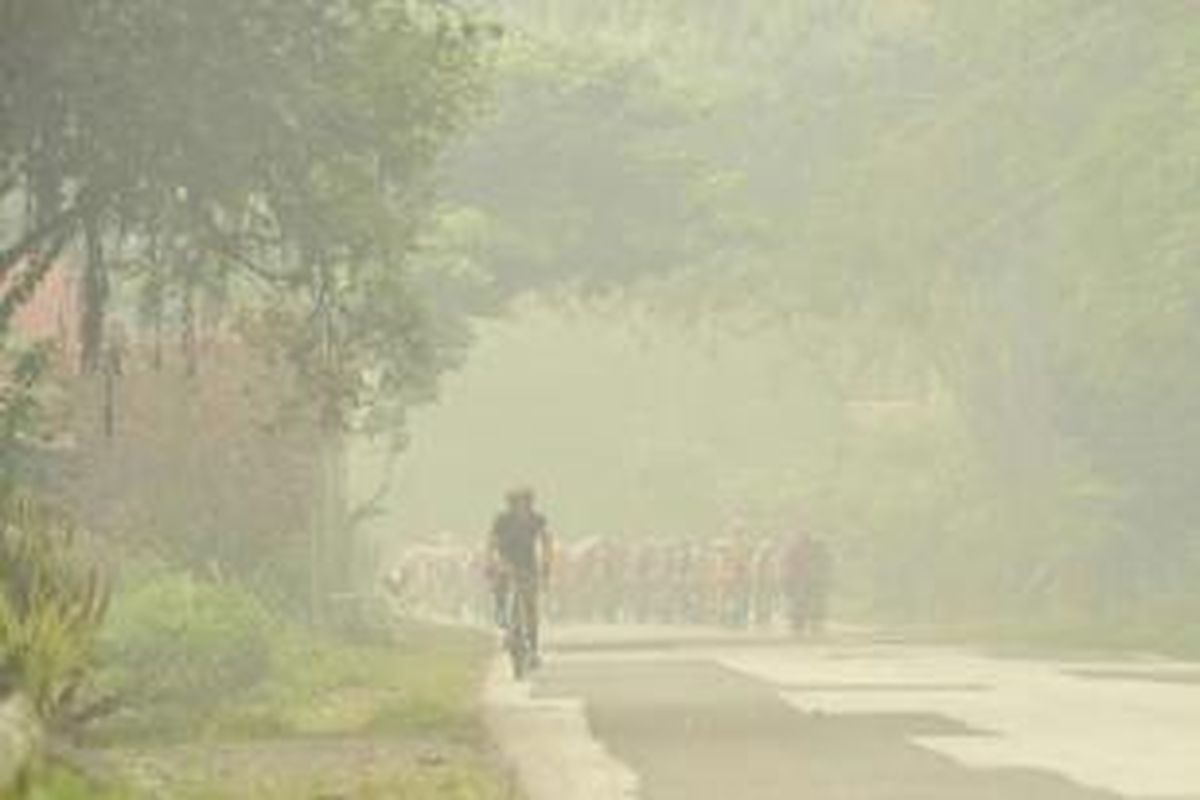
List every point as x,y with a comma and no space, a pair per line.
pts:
619,421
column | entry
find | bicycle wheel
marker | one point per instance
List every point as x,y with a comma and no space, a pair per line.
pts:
516,639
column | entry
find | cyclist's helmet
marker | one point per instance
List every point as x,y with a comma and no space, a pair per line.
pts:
519,495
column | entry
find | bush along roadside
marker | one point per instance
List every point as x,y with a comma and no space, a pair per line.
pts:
52,606
177,649
218,692
394,717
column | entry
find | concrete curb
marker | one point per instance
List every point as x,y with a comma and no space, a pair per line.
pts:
550,744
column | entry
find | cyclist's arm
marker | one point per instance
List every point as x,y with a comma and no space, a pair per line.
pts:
546,548
491,551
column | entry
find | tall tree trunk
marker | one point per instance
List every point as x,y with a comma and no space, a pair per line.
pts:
94,296
188,312
333,549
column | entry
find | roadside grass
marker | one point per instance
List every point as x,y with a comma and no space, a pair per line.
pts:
423,684
334,719
463,780
462,776
60,783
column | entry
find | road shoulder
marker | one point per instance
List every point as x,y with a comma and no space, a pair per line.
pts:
550,745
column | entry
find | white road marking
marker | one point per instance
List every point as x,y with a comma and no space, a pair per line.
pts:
1133,737
1095,723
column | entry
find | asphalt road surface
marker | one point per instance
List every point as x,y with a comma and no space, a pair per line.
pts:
675,714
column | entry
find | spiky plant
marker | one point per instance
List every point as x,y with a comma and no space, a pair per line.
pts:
52,604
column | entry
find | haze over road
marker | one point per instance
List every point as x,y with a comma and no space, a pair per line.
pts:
673,714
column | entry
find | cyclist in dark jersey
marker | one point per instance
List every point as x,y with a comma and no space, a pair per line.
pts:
519,547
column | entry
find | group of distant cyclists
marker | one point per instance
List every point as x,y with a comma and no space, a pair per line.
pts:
741,580
737,581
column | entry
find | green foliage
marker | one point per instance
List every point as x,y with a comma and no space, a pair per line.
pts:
273,155
942,256
59,783
52,605
423,683
269,164
175,644
581,175
416,695
22,408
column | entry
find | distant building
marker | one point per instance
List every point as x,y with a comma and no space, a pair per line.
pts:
52,313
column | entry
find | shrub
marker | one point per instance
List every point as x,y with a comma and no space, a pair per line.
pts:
52,605
189,643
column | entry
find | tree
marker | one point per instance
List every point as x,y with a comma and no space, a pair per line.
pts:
984,211
581,175
276,156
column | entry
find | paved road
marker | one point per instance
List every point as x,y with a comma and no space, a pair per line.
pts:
676,714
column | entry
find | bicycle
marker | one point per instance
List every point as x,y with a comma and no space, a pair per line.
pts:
517,639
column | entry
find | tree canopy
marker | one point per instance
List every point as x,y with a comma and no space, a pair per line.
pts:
982,212
281,144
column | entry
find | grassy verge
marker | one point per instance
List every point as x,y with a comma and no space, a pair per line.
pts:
425,684
333,720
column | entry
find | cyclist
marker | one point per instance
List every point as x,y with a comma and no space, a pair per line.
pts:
519,550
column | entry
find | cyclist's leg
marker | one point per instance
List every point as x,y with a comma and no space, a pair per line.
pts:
528,588
500,590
